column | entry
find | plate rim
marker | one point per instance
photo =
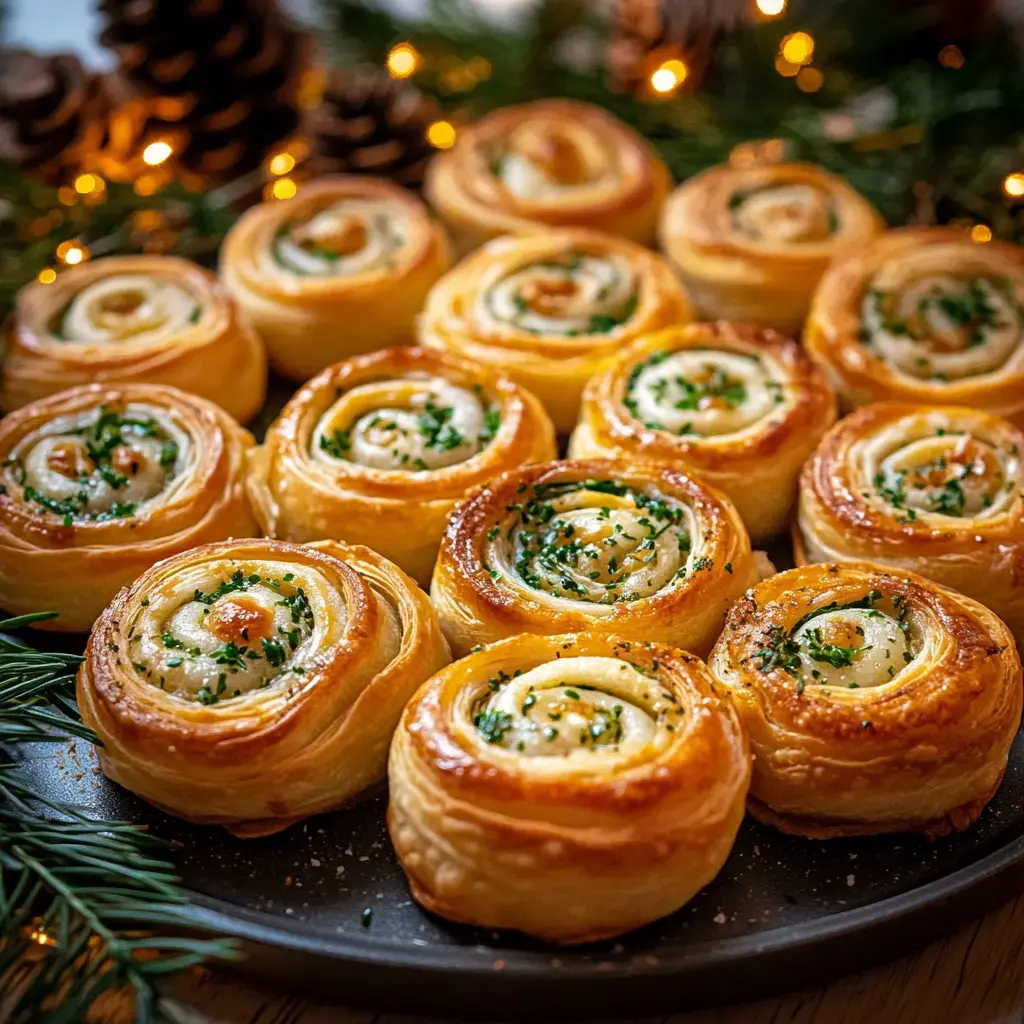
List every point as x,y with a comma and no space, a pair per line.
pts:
479,958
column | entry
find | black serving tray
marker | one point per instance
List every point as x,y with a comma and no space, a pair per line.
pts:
784,911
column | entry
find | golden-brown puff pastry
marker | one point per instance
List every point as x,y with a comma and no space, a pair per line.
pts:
552,310
549,164
377,450
571,787
132,319
752,243
875,701
740,406
930,489
924,315
253,683
341,269
631,548
99,482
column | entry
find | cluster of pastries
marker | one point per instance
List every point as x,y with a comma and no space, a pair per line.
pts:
264,646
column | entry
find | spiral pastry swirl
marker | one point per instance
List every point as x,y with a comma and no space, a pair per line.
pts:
127,320
631,548
551,310
571,787
377,450
875,701
937,490
752,243
740,406
252,683
550,164
924,315
341,269
98,483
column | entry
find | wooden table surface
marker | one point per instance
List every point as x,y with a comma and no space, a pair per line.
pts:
974,976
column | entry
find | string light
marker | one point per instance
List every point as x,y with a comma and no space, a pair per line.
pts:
67,195
72,252
38,935
951,57
1013,184
798,48
281,163
284,188
47,276
981,233
809,79
771,8
669,76
786,68
403,60
441,134
84,184
156,153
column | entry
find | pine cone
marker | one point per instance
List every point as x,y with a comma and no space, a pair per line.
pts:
369,123
224,73
646,33
51,113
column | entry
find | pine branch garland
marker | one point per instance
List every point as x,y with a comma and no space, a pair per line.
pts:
85,906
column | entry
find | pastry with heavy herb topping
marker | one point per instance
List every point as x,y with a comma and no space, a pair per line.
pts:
924,315
253,683
631,548
97,483
937,490
875,700
378,449
741,406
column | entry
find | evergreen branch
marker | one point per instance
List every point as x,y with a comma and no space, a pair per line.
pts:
85,905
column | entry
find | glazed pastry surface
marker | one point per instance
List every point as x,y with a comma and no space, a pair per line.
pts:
378,449
132,319
875,700
924,315
99,482
741,406
252,683
634,549
751,243
571,787
552,310
341,269
549,164
931,489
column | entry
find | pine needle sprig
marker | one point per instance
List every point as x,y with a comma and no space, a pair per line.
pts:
85,906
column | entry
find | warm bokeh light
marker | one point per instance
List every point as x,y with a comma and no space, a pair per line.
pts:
951,57
669,76
47,276
771,8
798,48
84,184
74,255
281,163
67,195
786,68
981,233
146,185
1013,184
810,79
403,60
284,188
441,135
156,153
